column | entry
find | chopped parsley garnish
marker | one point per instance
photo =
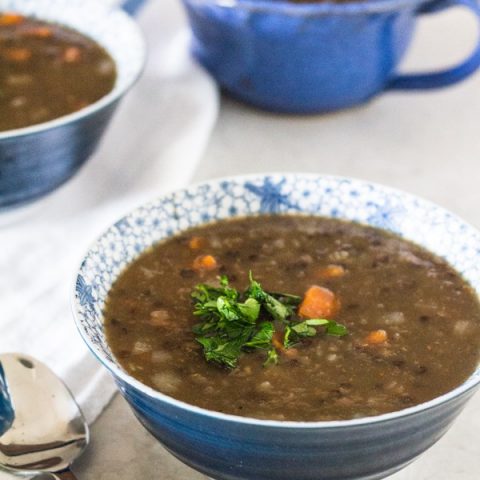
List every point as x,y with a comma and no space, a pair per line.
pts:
234,322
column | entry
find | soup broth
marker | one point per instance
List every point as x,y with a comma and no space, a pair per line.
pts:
412,323
48,71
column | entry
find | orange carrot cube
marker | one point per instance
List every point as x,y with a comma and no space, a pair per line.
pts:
331,271
40,32
204,263
318,302
376,337
10,19
17,54
196,243
72,54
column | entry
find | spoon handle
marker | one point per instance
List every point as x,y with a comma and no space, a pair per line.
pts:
66,475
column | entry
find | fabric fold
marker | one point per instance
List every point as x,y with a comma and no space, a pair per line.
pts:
154,144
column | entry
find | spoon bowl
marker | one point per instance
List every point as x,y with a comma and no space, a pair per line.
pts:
42,429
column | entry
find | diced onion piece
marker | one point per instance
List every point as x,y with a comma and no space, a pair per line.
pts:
461,327
141,347
394,318
264,387
159,318
166,382
160,356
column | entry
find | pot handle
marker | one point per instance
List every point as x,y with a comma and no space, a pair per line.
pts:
442,78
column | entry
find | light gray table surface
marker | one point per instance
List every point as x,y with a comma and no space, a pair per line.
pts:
427,143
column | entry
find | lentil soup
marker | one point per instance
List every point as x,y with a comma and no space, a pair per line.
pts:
410,325
48,71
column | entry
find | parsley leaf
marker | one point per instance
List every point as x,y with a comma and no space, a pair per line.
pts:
250,309
287,298
221,351
277,309
303,330
263,337
272,358
233,322
336,329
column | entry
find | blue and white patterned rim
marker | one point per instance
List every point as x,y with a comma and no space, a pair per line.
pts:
415,219
111,28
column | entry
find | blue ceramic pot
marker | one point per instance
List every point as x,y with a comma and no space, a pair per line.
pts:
36,160
313,57
227,447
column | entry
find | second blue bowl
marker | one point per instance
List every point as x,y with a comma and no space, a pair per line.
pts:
36,160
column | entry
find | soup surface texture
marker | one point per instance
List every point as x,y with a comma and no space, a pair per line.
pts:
48,71
413,324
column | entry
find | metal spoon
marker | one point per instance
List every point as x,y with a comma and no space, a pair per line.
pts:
42,430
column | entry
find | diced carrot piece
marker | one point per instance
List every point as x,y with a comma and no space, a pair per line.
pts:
72,54
204,262
290,352
318,302
17,54
196,243
376,337
7,19
39,32
331,271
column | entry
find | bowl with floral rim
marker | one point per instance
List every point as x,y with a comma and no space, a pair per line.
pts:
230,447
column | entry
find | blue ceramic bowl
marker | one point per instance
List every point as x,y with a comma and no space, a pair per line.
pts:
227,447
313,57
35,160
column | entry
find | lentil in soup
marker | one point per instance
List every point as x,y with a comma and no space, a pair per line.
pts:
48,71
412,324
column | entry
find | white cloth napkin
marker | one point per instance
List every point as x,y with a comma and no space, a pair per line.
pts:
154,144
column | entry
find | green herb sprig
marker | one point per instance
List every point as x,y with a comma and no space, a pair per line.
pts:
233,322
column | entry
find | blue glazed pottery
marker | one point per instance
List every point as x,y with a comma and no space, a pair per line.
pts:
7,415
36,160
132,6
313,57
227,447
